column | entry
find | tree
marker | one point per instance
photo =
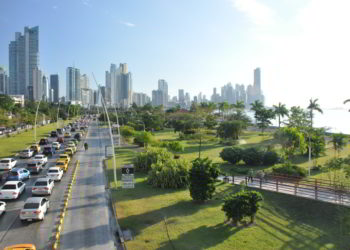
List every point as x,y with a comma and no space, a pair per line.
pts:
280,111
210,121
202,178
290,139
256,106
233,154
143,138
230,129
318,144
313,105
338,141
298,118
263,118
6,102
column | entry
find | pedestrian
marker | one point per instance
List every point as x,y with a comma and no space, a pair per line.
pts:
250,175
86,146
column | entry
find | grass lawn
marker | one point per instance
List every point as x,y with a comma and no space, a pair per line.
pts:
9,146
284,222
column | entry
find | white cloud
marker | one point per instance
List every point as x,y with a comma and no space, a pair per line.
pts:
54,7
256,11
128,24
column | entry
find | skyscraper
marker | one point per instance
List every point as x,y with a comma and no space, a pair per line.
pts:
121,85
23,59
257,80
54,84
37,86
73,85
84,82
163,86
3,82
107,98
181,96
45,85
157,98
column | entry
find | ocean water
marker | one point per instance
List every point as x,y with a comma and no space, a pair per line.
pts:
334,120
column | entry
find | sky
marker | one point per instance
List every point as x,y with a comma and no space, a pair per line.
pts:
301,46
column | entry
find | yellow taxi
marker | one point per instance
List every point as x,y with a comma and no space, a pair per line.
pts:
35,148
64,157
67,135
21,247
63,165
69,151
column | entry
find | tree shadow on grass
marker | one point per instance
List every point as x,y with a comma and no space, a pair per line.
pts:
202,237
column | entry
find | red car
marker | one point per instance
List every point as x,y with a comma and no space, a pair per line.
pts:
60,139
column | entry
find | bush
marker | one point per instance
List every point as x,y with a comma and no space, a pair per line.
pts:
143,138
252,156
143,161
270,158
202,177
291,170
173,146
127,131
232,155
169,174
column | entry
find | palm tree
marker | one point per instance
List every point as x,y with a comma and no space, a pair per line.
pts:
239,105
281,111
313,105
256,106
347,100
223,106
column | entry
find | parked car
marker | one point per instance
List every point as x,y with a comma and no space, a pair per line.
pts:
55,173
56,145
34,167
62,164
35,148
43,186
54,134
21,247
60,139
2,207
12,190
64,157
34,208
48,151
41,158
27,153
44,141
7,163
18,174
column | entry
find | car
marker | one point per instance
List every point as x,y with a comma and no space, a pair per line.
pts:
64,157
2,207
55,173
21,247
35,148
40,158
7,163
75,141
48,151
67,135
72,146
54,134
78,136
34,167
12,190
72,130
27,153
56,145
18,174
60,139
43,186
44,141
62,165
69,151
59,131
34,208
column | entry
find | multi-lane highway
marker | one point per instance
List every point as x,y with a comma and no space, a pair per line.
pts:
87,224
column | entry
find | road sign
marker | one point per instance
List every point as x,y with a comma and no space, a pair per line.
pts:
128,176
108,151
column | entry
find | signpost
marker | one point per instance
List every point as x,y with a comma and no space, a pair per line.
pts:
128,176
108,151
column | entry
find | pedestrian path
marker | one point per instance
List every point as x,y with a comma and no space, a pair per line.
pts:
290,188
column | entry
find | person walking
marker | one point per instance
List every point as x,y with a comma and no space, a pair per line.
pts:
250,175
86,146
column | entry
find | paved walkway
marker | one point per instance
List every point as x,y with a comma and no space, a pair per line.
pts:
293,189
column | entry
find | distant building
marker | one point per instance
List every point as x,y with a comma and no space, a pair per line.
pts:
23,59
51,95
187,99
37,94
140,99
3,82
181,96
54,84
84,82
157,98
18,99
163,86
45,88
120,81
73,85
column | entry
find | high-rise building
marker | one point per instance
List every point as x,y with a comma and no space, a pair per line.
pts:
107,98
3,81
23,59
257,80
84,82
121,85
140,99
54,84
37,86
73,85
86,97
157,98
45,85
187,99
51,95
181,96
163,86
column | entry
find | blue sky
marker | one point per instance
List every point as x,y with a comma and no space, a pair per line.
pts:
194,44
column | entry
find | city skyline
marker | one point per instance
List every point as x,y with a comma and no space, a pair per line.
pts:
203,50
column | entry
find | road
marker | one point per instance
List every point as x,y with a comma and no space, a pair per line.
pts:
13,231
89,221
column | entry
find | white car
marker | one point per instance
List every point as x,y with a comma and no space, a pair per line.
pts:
2,207
43,186
55,173
56,145
12,190
34,208
7,163
42,159
27,153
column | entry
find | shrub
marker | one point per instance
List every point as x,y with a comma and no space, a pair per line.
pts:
143,138
252,156
173,146
169,174
232,155
202,176
143,161
291,170
127,131
270,158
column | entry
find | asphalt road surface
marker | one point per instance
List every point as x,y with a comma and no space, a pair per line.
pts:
13,231
88,223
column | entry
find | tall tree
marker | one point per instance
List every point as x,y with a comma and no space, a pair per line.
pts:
338,141
256,106
313,105
263,118
298,118
281,111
